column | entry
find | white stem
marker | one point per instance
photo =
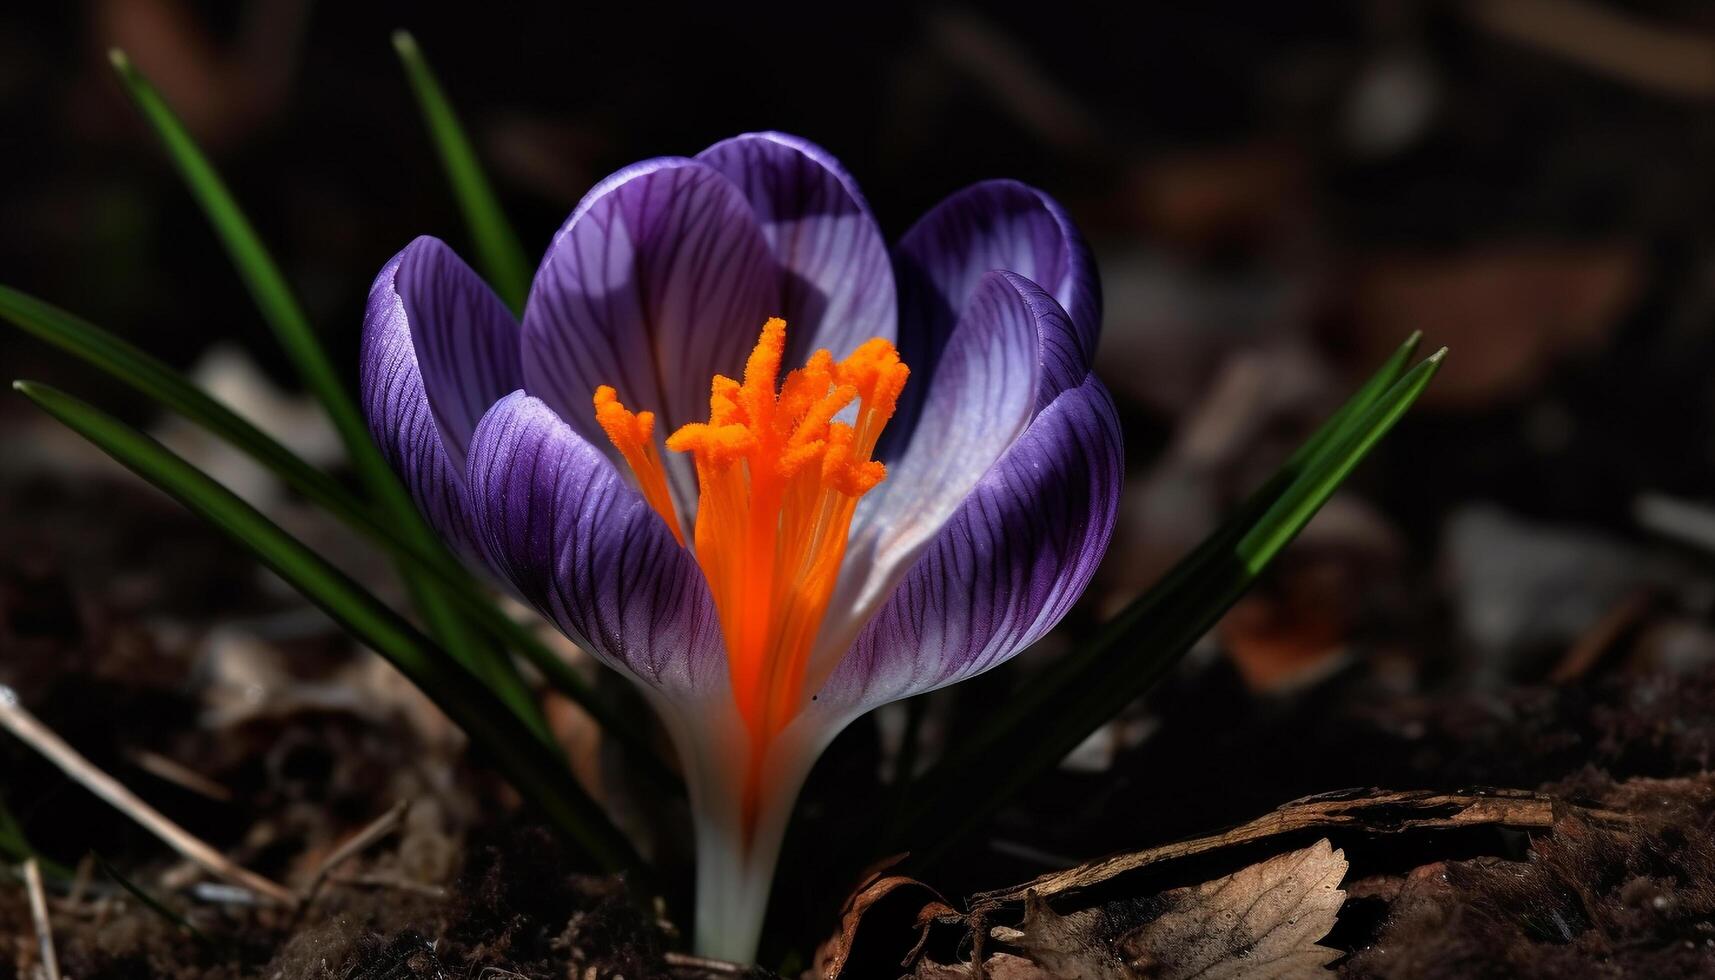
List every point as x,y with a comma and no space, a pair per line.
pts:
732,892
733,878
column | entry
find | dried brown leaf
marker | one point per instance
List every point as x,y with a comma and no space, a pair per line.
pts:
1066,947
1261,923
1369,811
923,903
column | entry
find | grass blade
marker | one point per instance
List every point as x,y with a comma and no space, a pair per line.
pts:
15,847
1057,710
268,287
161,383
149,901
497,249
257,268
534,769
174,391
1066,672
171,389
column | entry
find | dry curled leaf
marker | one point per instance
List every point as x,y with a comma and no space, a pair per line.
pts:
915,906
1102,897
1261,923
1064,947
1369,811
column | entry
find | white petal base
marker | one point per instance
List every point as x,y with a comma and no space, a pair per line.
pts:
735,874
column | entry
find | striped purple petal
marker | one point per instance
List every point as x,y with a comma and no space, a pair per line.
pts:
837,282
438,349
994,225
555,518
659,280
1004,570
981,397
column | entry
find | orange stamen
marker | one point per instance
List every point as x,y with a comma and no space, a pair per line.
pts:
633,434
779,481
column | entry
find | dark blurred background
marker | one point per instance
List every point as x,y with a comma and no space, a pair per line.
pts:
1295,189
1277,194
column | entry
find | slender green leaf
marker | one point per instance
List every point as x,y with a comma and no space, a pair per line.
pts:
149,901
280,308
1062,707
1173,591
535,770
497,249
1352,412
161,383
256,267
172,390
16,848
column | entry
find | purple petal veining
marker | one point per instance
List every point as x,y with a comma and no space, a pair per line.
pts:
1004,570
1004,456
995,225
837,278
659,280
555,519
438,348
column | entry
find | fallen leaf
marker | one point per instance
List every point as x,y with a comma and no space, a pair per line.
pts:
1261,923
1367,811
1000,966
1102,897
1064,947
921,904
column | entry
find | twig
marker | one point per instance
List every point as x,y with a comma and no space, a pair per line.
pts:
720,968
1360,811
39,912
179,774
1659,56
1682,520
80,879
357,843
1617,627
15,719
1013,78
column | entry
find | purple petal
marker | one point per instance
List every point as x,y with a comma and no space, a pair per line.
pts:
838,280
437,350
1005,569
995,225
555,518
1060,361
466,339
979,401
659,280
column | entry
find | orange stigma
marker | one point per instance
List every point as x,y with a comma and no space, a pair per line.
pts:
779,480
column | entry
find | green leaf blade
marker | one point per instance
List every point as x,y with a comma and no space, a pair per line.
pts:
173,391
15,846
1067,671
1074,697
498,251
149,901
536,771
156,380
280,308
262,277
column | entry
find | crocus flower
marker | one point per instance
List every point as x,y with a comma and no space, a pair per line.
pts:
772,472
